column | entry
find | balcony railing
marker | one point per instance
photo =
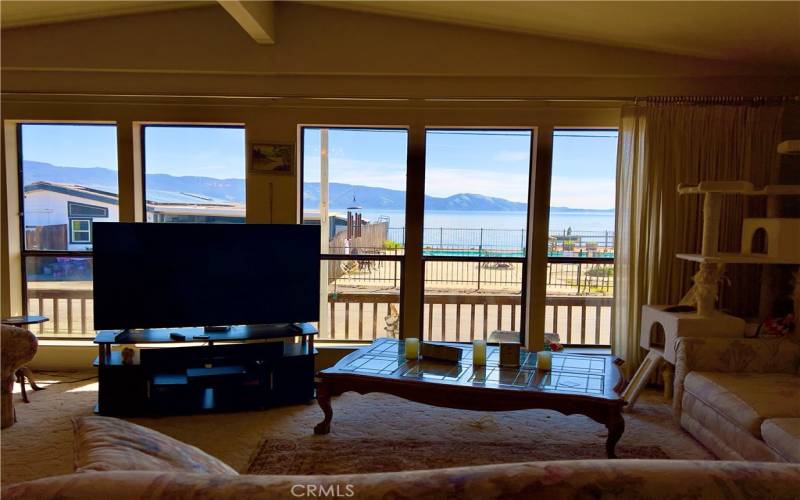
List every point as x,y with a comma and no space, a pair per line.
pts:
70,311
583,320
463,318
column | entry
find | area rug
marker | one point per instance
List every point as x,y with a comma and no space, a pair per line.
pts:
331,455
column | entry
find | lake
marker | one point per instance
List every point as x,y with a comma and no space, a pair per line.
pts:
472,219
499,230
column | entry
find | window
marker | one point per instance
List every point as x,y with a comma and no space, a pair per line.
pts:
580,270
475,232
83,210
69,179
354,183
80,231
194,173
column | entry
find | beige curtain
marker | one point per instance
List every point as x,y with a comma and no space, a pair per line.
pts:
661,146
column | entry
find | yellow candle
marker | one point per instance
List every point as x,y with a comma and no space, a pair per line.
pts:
412,348
544,360
479,352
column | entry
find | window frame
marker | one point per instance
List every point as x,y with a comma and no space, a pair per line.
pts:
72,231
356,257
583,260
25,253
524,260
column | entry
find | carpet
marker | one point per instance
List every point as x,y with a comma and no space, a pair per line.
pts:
316,455
40,443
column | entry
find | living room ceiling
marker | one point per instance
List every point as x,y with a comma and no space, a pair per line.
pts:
751,32
766,32
16,13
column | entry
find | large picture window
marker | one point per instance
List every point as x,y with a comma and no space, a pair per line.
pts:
194,173
69,180
354,186
475,233
580,269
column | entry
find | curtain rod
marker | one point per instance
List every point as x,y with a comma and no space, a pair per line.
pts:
716,99
632,99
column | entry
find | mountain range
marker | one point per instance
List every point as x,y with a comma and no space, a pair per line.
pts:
340,195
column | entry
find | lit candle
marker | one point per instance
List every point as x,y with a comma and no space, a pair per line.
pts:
412,348
479,352
544,360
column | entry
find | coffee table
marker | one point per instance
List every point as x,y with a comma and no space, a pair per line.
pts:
587,384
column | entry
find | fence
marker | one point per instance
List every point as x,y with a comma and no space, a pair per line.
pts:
362,316
463,298
70,311
594,277
462,318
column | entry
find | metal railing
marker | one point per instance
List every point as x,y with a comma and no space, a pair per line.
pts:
565,276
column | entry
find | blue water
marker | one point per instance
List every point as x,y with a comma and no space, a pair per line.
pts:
559,221
472,231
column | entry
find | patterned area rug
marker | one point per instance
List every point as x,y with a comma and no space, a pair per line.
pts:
331,455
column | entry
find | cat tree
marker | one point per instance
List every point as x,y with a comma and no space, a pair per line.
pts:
765,240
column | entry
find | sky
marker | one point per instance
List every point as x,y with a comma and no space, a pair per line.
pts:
491,163
180,151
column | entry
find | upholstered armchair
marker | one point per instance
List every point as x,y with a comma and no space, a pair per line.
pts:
18,347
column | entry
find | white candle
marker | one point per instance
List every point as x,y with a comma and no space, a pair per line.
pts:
479,352
544,360
412,348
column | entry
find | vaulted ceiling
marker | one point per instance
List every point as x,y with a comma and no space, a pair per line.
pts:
751,32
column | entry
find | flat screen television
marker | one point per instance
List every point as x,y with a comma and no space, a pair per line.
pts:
174,275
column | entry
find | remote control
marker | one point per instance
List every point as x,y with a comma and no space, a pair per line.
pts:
201,337
177,336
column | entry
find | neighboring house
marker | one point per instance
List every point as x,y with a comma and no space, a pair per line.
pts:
59,216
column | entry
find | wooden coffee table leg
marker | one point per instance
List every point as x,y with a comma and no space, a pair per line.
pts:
615,426
324,400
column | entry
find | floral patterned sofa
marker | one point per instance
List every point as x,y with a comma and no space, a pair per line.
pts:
740,397
116,459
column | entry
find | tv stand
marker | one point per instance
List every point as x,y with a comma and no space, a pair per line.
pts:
245,367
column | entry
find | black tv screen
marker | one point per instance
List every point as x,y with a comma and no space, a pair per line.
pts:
173,275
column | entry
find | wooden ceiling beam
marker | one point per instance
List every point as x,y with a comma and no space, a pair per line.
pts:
257,18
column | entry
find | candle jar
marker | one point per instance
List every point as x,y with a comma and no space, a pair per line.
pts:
412,348
544,360
479,352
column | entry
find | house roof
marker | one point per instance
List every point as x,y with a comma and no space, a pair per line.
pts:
157,200
88,193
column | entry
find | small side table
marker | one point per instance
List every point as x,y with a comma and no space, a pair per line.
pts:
24,372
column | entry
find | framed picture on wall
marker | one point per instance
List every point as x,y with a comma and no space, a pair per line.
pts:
272,158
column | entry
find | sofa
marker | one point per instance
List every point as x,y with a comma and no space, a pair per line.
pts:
117,459
740,397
